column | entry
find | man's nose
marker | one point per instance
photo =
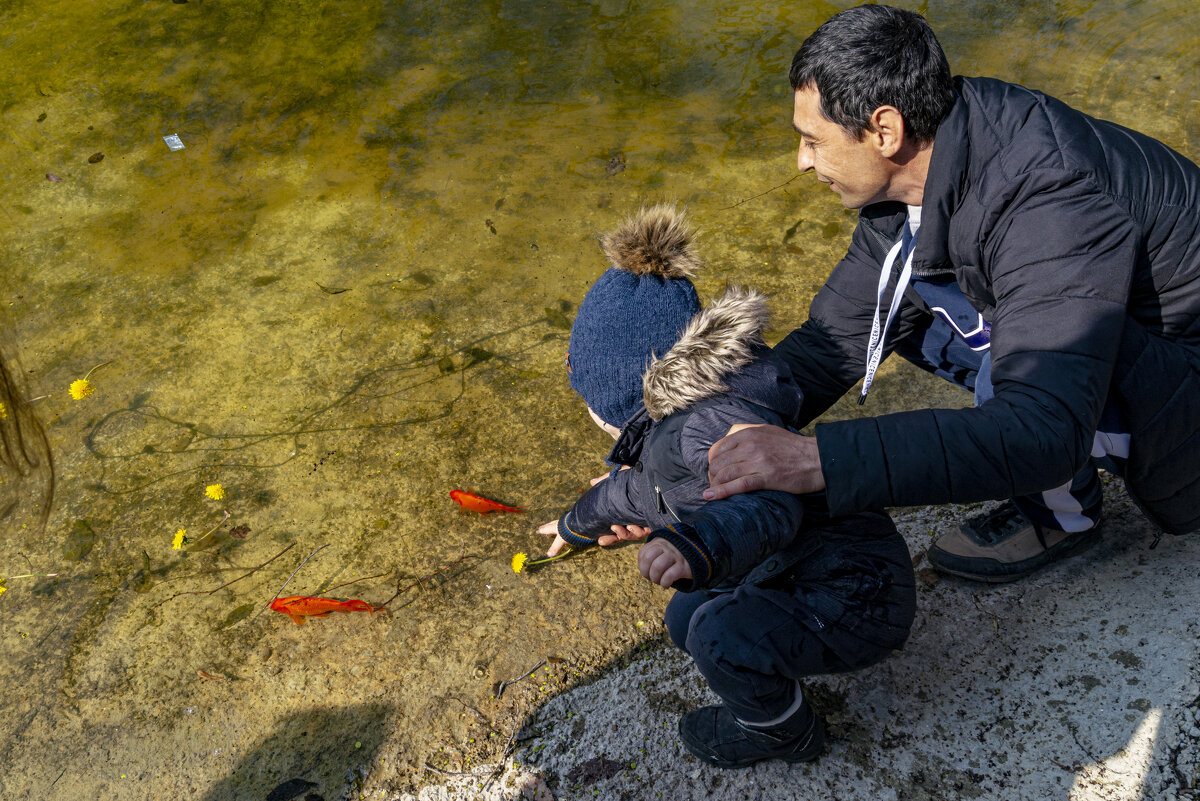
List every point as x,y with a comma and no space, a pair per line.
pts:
804,161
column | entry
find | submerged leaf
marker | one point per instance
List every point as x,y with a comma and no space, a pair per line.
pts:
236,616
79,542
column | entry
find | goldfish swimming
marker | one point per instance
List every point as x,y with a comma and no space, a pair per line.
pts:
473,502
298,607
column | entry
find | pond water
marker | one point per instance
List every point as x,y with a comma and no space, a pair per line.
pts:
350,293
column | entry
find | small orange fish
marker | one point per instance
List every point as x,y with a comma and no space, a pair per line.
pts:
298,607
473,502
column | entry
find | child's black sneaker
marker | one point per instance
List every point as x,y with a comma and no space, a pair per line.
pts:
715,736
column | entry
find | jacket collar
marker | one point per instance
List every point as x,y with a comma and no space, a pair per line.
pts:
943,189
943,193
719,341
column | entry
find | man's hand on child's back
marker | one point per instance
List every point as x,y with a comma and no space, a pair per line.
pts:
662,563
763,457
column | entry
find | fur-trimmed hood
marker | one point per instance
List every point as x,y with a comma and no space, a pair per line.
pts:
712,357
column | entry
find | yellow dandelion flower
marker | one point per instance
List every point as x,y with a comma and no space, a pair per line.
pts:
3,589
215,491
81,388
518,562
177,543
3,411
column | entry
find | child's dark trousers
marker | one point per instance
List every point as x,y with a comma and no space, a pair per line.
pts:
846,607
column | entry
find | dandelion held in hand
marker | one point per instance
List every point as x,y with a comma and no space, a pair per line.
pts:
522,563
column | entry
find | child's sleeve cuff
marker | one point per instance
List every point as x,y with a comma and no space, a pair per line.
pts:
684,537
572,538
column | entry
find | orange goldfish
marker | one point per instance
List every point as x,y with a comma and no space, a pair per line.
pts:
473,502
298,607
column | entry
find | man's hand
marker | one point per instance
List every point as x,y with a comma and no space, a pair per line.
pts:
757,457
662,563
621,533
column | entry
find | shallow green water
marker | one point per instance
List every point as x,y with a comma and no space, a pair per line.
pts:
349,294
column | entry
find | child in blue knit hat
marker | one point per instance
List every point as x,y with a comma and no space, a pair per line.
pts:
769,589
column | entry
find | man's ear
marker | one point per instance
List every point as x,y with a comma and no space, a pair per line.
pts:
887,130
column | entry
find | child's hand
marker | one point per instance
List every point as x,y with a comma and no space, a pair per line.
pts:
551,529
662,563
621,533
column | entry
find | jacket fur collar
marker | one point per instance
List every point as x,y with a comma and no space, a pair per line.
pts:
719,341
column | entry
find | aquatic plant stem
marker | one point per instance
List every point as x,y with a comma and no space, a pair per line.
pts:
501,766
289,580
251,572
214,528
439,571
348,583
760,194
501,686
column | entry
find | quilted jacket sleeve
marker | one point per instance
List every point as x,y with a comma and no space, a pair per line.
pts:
728,538
617,499
1058,258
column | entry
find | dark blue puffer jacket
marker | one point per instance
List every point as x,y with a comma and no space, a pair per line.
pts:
718,374
1079,240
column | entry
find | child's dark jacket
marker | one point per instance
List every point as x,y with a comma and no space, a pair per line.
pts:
718,374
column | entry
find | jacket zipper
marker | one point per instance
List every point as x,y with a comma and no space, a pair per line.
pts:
663,506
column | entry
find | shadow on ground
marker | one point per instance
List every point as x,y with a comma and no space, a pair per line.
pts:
310,754
1079,683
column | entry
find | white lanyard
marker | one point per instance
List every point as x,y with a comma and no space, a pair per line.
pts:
875,346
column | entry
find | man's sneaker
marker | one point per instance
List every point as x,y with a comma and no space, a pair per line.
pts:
1003,545
715,736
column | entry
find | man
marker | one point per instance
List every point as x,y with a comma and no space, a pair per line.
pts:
1045,260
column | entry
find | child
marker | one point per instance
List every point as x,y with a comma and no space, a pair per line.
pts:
769,589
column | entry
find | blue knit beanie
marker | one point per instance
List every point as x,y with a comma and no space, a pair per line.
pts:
636,309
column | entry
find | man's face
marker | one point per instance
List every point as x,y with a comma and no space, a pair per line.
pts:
854,169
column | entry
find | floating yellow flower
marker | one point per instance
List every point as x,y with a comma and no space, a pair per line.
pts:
81,388
215,491
2,589
3,411
177,543
518,562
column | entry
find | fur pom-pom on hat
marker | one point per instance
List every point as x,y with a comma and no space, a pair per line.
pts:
656,241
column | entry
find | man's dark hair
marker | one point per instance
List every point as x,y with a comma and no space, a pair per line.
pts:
872,56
